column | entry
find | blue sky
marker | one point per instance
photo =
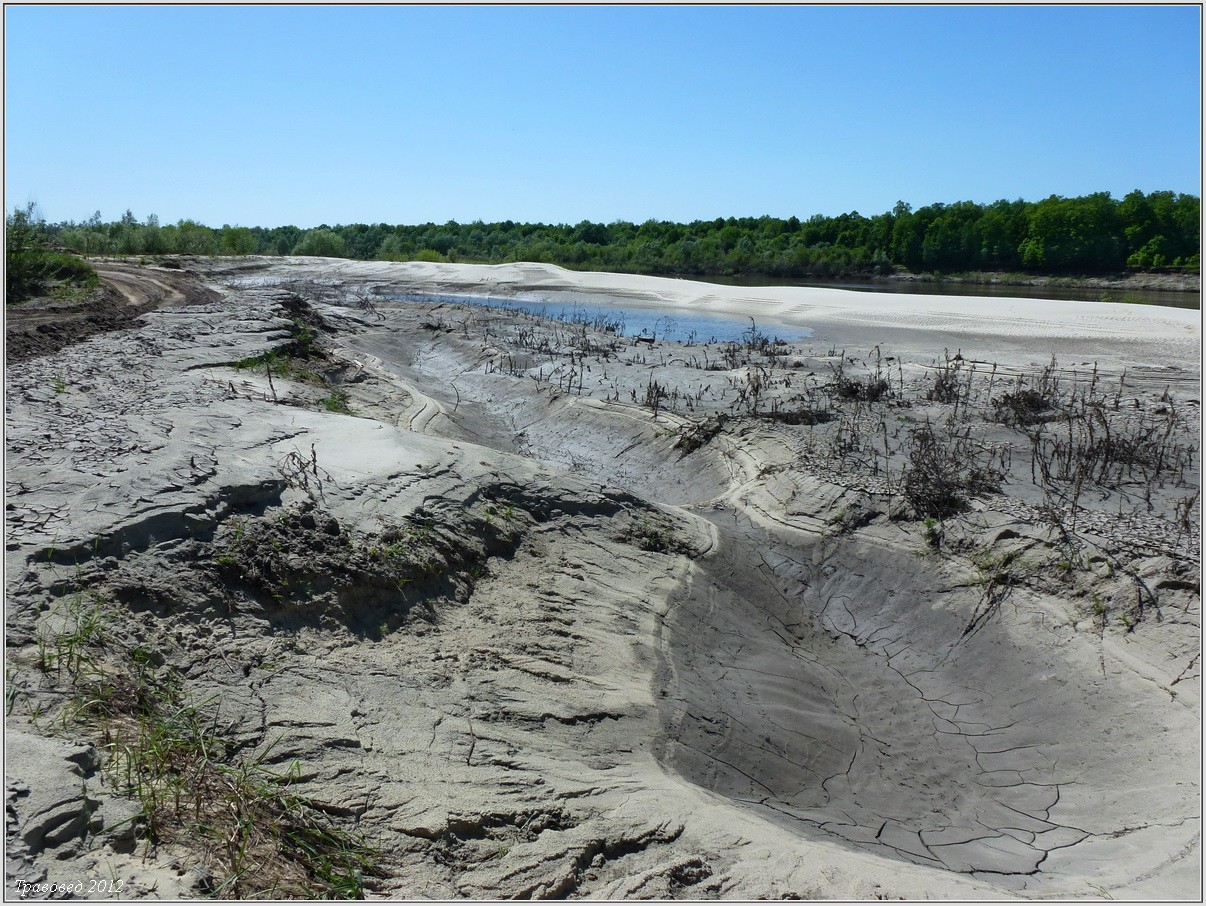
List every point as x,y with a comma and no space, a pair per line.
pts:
305,115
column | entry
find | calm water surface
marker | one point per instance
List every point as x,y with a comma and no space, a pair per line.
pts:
1190,300
630,320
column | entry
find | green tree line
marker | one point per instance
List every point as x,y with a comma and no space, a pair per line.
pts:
32,266
1092,234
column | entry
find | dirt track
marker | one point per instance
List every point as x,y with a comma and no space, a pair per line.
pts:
41,326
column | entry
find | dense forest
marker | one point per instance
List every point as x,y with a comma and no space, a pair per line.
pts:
1093,234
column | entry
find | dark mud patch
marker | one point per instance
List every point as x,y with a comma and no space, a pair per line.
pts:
42,327
300,566
36,330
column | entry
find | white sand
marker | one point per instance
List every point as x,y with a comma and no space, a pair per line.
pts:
987,328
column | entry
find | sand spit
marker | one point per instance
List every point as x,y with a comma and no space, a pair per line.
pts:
511,607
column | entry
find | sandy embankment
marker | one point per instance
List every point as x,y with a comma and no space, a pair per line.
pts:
624,670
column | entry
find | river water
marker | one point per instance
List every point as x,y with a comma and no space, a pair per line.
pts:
632,319
1190,300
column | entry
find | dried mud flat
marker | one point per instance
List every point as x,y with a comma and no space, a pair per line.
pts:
312,592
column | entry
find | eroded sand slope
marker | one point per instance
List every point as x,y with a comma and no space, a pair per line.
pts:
528,646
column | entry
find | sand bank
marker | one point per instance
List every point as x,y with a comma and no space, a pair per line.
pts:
536,620
1017,329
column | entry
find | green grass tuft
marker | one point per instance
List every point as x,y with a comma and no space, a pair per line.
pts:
195,785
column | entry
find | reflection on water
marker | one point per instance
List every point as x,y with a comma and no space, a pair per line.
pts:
1190,300
632,320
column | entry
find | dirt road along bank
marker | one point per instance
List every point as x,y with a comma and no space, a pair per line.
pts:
42,326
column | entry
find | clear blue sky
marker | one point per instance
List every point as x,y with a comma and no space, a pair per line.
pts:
277,115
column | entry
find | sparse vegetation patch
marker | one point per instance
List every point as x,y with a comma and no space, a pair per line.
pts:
193,784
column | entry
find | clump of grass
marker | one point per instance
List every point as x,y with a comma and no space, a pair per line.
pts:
999,574
299,360
946,385
994,568
84,631
869,390
650,537
337,402
280,363
655,395
194,785
932,532
292,360
12,689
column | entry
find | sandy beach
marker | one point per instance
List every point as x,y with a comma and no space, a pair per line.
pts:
906,608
